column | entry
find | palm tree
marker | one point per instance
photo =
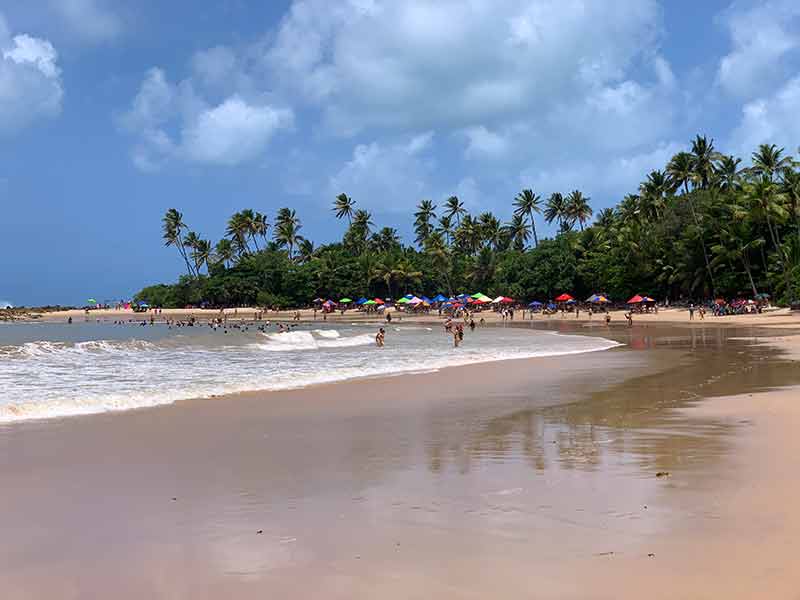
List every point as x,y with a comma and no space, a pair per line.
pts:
260,226
305,251
767,161
359,230
446,228
201,253
173,226
765,197
286,230
679,170
344,206
727,172
555,209
438,250
703,157
404,273
491,231
454,209
422,221
224,251
605,218
578,208
238,230
518,232
468,235
527,203
653,190
385,240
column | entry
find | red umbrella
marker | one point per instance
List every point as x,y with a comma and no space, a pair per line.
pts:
507,300
378,301
564,298
636,299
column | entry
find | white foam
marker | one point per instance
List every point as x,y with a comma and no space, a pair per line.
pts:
326,333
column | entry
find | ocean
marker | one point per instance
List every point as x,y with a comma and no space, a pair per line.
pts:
52,370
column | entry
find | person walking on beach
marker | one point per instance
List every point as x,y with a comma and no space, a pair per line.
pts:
608,319
691,312
629,316
380,337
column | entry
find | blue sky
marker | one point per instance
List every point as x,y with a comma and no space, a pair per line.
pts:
111,112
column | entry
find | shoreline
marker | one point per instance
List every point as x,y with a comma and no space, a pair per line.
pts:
421,484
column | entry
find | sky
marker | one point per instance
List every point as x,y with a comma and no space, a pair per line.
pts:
111,112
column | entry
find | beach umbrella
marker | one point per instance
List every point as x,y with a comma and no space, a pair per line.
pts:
361,300
535,303
635,300
318,300
345,301
92,301
439,298
647,299
369,302
408,296
426,299
564,298
415,301
507,300
497,300
378,301
551,306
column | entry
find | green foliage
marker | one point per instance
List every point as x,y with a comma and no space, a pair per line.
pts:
701,227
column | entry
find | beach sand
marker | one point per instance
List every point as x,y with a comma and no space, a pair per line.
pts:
534,478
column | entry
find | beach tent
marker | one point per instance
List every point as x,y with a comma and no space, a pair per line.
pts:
369,303
597,299
414,301
426,300
564,298
439,298
408,296
361,300
403,300
378,301
637,299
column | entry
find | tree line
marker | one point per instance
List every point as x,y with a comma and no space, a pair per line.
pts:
701,227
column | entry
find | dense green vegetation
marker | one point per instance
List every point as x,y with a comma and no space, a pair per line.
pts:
704,226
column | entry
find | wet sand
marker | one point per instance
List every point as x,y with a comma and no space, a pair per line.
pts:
534,478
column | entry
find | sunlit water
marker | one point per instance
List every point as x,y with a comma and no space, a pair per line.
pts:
51,370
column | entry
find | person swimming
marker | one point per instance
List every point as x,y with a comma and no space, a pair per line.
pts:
380,337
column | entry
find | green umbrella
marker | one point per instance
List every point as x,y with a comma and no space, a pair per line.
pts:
404,301
370,302
92,301
345,300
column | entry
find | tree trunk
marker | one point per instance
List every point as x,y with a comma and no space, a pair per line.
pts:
535,237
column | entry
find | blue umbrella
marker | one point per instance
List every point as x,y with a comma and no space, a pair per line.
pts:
552,306
439,298
425,299
535,303
361,300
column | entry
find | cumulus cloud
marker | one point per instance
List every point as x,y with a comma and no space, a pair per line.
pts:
464,64
391,176
172,121
91,20
762,35
30,80
771,119
483,143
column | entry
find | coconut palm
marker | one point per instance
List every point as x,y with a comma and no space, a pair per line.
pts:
259,227
423,227
578,209
224,251
491,230
679,170
518,232
344,206
287,230
385,240
305,251
239,230
527,203
703,158
652,192
555,209
768,161
728,174
173,226
454,209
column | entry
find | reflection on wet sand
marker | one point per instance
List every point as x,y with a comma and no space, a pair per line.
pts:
467,482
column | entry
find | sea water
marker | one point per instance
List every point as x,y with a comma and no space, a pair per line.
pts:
56,370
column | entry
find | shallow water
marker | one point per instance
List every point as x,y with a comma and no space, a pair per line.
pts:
52,370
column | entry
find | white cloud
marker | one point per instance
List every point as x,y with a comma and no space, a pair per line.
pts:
171,121
420,64
91,20
771,120
391,177
608,178
232,132
30,80
762,35
483,143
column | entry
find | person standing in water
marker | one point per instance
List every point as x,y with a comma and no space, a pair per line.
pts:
380,337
